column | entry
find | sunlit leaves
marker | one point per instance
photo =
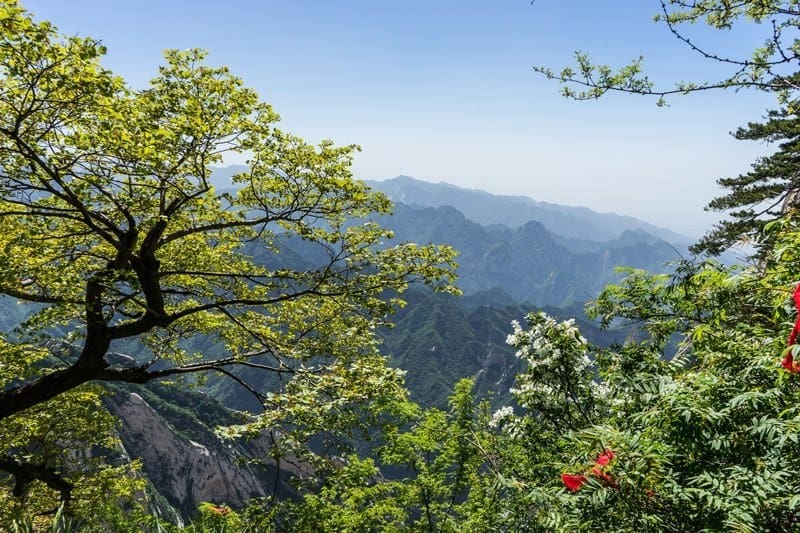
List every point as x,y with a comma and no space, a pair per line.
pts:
110,226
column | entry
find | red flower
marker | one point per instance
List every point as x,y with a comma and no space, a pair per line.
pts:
573,481
605,457
790,364
788,360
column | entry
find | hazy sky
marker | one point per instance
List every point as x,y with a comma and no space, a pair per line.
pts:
443,90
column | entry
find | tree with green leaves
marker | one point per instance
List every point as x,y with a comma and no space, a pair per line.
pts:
111,232
762,196
427,475
771,67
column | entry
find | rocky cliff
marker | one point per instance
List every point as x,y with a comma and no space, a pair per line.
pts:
186,472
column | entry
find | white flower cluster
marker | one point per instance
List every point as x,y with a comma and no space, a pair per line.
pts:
500,416
554,352
601,389
546,340
505,419
519,338
528,387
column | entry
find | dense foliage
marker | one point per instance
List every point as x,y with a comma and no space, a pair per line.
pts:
760,197
691,424
113,235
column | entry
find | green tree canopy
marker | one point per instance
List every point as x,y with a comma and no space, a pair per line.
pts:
761,196
110,230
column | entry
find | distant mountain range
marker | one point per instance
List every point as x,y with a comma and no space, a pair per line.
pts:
544,254
572,223
578,228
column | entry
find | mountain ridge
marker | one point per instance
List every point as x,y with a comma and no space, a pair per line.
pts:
485,208
526,262
578,228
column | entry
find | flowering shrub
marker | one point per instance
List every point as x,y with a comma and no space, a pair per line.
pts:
556,384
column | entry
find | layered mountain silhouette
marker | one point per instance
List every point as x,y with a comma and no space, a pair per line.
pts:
526,261
571,223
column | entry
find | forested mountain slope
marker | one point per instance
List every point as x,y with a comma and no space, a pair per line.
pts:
439,339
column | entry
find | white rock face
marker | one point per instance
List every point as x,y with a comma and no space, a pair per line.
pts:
184,471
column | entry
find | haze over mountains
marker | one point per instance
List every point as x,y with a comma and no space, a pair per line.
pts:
484,208
540,253
578,227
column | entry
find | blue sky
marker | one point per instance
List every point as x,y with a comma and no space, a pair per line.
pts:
443,90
